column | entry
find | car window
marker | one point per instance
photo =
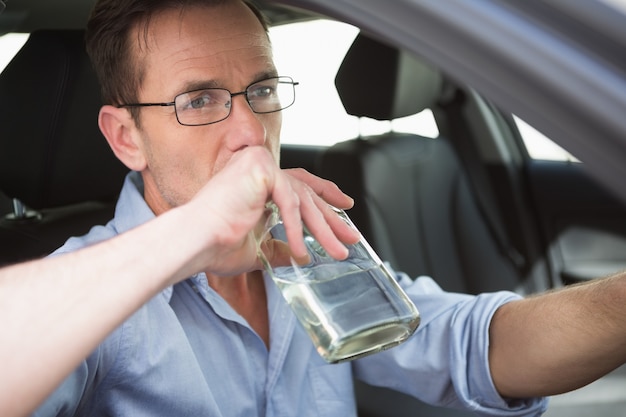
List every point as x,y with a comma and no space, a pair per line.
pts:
540,146
10,44
311,53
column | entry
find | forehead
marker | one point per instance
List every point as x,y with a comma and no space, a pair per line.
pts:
217,45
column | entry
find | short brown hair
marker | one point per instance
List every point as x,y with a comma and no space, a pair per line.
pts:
108,42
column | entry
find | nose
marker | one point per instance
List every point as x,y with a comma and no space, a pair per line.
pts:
246,128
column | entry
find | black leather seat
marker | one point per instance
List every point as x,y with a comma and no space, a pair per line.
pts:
54,163
413,199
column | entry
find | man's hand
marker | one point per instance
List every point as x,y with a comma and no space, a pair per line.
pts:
232,203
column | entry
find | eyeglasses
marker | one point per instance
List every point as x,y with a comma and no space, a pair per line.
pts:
212,105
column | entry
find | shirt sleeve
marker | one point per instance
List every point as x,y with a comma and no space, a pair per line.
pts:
80,386
445,362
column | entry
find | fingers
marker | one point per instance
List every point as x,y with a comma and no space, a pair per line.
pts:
347,233
315,218
326,190
290,206
321,219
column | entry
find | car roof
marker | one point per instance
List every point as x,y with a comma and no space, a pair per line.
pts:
25,16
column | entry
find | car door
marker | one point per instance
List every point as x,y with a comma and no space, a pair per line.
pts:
583,223
559,216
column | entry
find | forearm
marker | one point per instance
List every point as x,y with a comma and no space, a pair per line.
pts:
82,297
559,341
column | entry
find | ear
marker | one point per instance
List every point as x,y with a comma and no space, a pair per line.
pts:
119,129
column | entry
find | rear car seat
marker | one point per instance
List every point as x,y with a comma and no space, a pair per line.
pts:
55,164
413,199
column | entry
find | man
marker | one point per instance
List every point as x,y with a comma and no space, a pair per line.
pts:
61,307
189,87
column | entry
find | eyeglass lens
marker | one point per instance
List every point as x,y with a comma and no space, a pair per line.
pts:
212,105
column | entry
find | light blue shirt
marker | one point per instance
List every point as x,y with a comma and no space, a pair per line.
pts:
188,353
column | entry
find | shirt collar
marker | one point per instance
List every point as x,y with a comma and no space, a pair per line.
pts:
132,210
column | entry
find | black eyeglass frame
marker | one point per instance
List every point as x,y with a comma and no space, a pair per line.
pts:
287,80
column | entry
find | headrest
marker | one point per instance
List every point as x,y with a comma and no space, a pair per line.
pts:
381,82
51,150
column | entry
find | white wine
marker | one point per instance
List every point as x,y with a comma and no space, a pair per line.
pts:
349,313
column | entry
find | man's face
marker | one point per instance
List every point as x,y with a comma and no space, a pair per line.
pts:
201,47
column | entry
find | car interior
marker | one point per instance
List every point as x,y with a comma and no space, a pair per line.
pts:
469,208
58,170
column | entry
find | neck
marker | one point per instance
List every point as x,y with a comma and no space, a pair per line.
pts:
245,293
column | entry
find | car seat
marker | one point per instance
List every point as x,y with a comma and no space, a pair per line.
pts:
55,165
414,201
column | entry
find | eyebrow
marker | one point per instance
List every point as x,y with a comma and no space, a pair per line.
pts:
198,85
202,84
